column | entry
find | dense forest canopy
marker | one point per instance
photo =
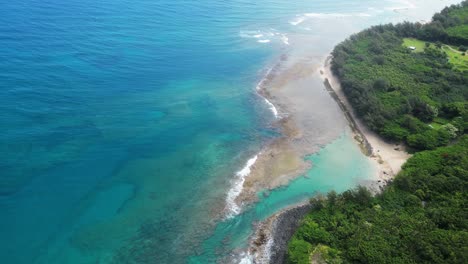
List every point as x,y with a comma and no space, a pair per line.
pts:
416,97
420,218
408,82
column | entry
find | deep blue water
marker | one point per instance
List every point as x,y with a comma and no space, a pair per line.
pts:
123,122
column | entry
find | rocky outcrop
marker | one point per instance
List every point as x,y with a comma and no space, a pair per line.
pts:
286,224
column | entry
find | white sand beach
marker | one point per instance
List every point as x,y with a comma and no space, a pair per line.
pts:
388,156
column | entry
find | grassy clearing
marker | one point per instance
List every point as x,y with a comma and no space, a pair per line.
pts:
412,42
458,59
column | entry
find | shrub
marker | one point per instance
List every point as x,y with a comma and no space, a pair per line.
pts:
299,251
395,131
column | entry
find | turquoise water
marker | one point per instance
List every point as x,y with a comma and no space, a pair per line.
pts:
124,122
336,167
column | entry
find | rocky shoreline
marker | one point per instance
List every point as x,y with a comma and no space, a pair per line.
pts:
270,243
288,221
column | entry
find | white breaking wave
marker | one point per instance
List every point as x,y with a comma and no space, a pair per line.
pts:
285,39
265,36
260,84
246,170
238,184
401,5
333,15
263,255
298,20
255,34
259,87
250,34
272,107
236,189
247,259
302,18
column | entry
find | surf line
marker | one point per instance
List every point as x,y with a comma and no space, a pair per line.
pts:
232,207
259,88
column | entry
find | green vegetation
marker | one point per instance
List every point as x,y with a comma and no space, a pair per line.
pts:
457,28
412,42
450,25
421,217
458,31
419,97
458,59
399,92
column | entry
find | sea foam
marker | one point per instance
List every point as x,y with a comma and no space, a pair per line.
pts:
232,207
272,107
247,259
401,5
285,39
265,36
260,86
262,255
238,184
303,17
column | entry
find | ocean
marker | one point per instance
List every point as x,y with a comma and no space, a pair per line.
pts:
127,125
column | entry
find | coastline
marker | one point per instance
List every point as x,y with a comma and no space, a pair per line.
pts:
283,88
269,243
283,159
388,157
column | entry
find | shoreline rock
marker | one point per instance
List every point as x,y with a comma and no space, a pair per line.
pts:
289,221
270,242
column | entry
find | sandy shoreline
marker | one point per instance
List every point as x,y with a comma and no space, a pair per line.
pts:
269,243
389,157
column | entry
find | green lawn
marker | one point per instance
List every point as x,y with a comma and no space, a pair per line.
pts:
457,59
412,42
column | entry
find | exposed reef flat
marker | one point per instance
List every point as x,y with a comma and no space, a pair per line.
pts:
307,119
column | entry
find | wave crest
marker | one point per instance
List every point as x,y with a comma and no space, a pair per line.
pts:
265,36
232,206
304,17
